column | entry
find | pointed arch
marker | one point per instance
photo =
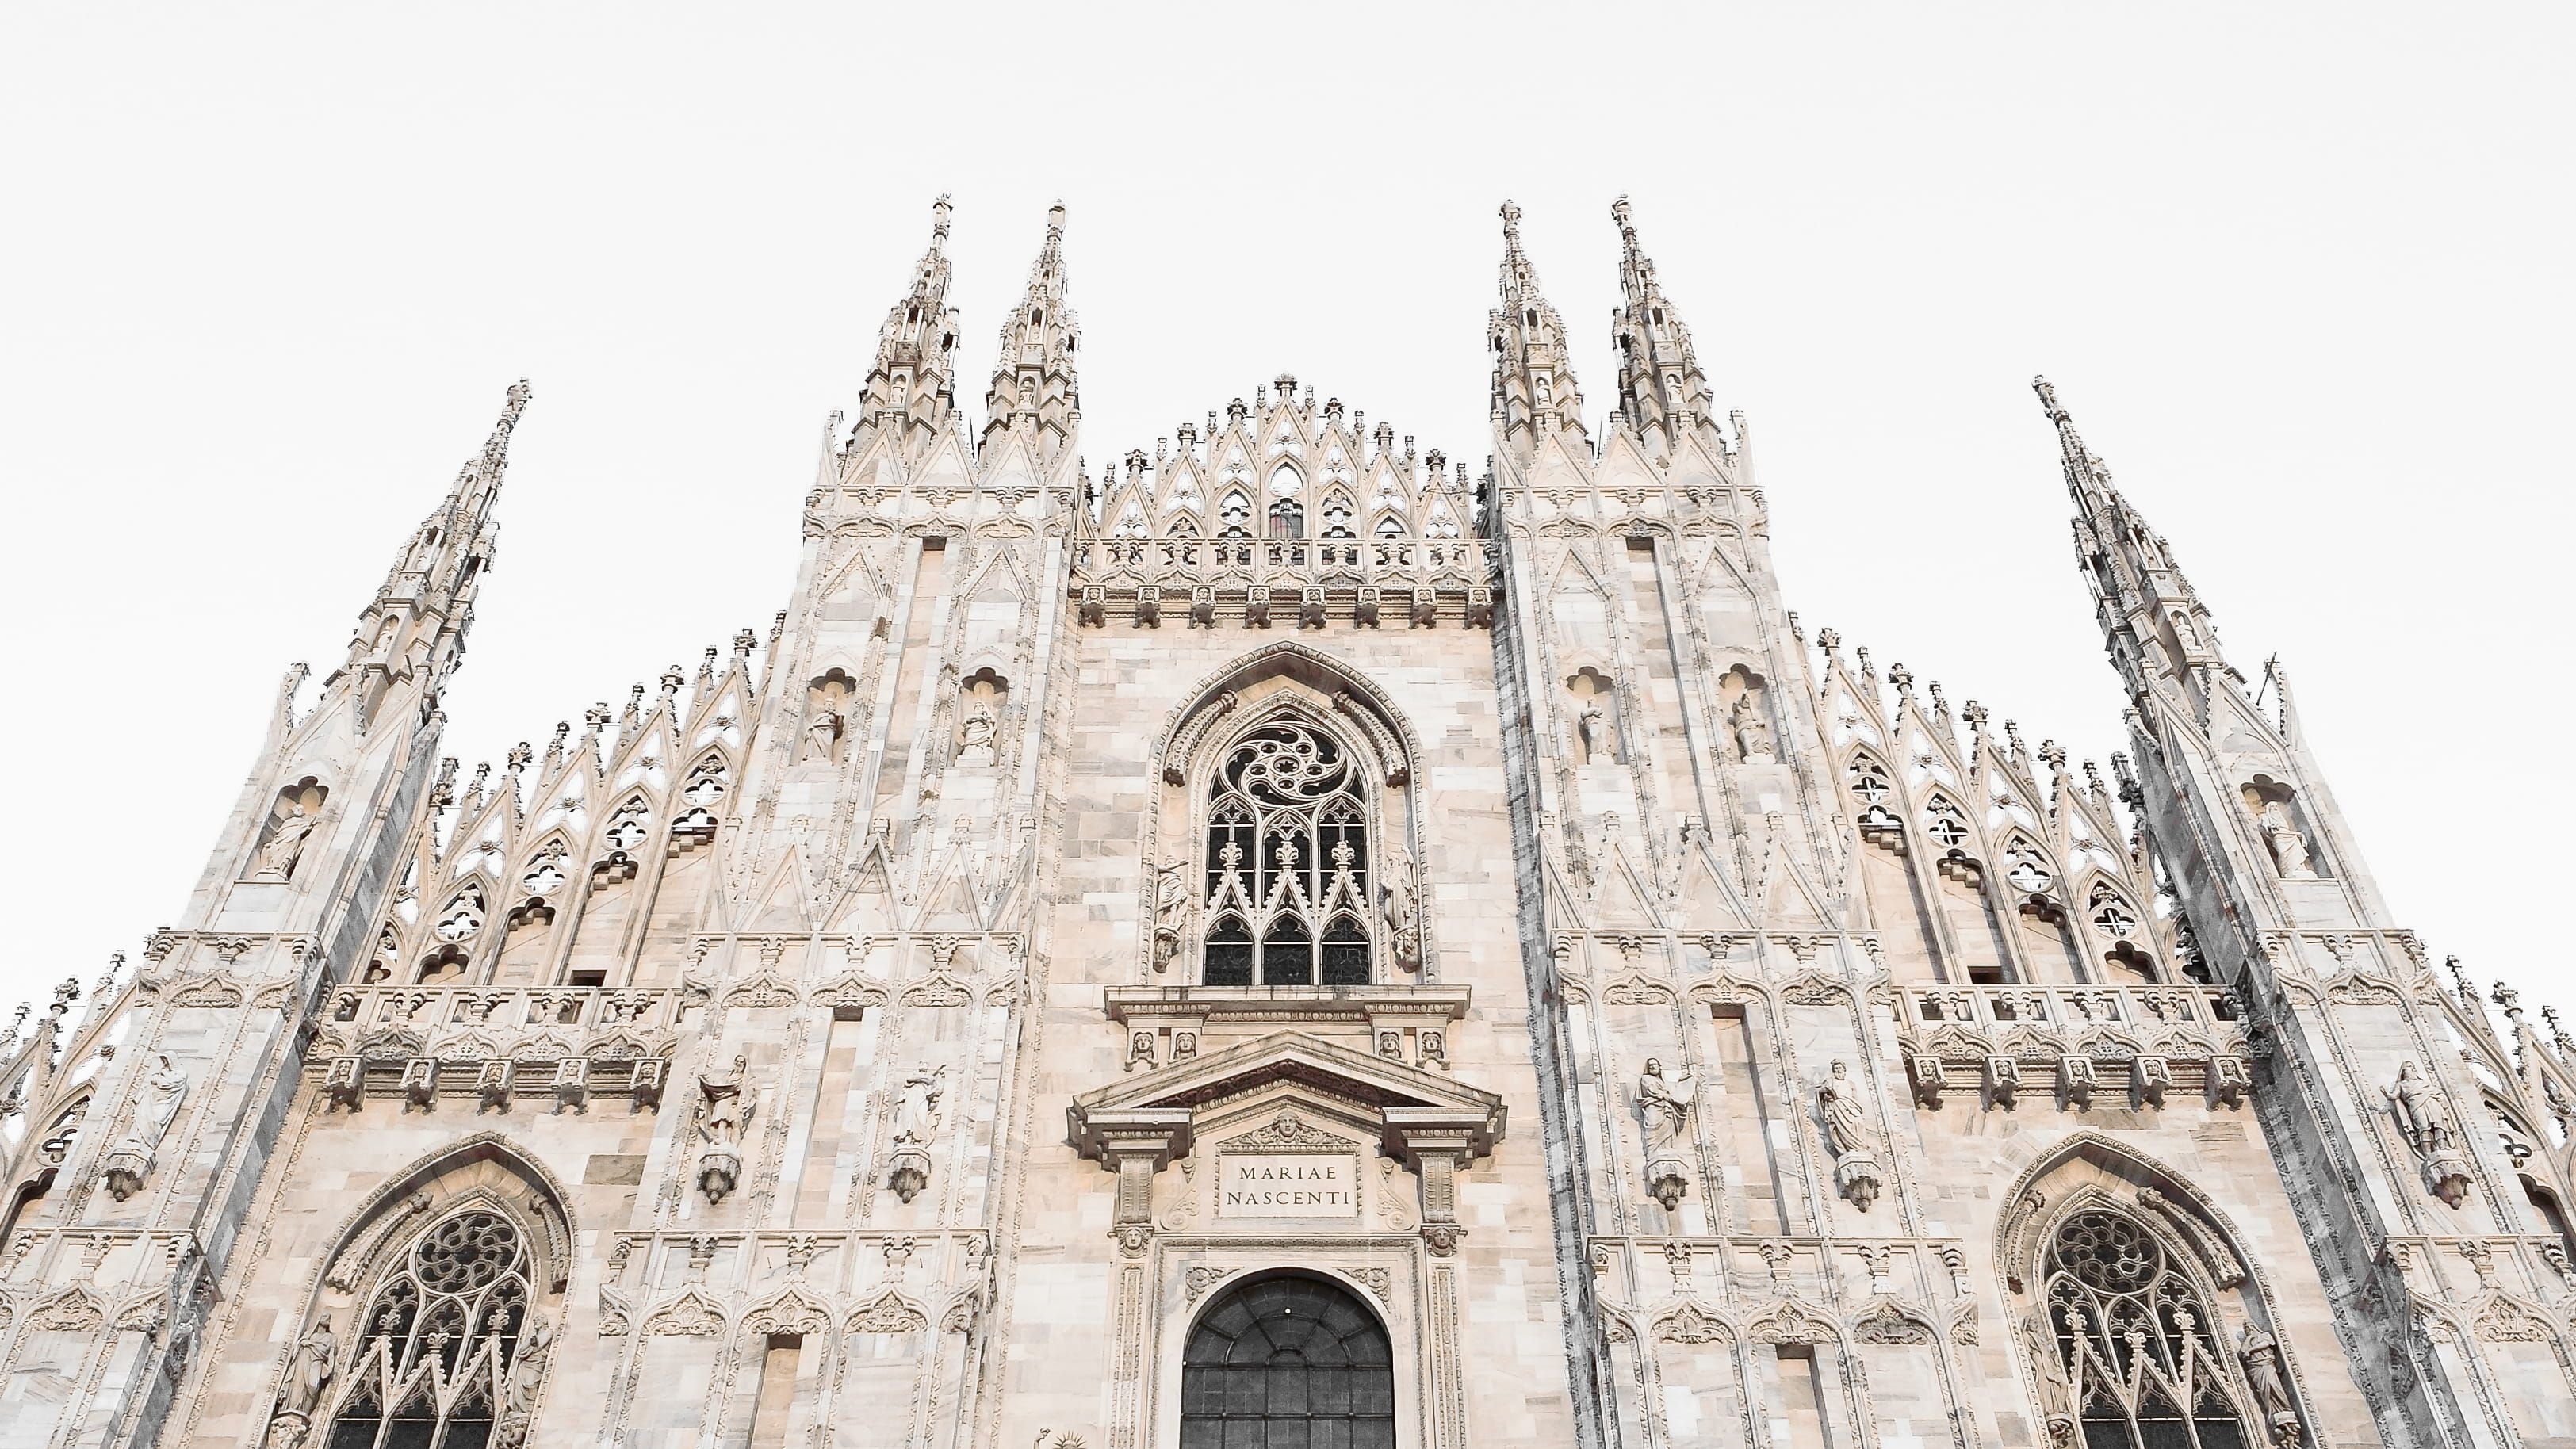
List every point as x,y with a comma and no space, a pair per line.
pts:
2139,1315
1283,851
438,1305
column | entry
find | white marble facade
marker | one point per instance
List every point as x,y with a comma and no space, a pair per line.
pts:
1275,941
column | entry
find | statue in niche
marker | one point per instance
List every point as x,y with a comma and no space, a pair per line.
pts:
2289,846
309,1373
823,731
286,845
2261,1357
1665,1105
1593,726
1752,730
1850,1136
975,736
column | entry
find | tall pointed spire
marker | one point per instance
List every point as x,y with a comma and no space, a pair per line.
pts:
2159,632
1035,388
912,390
415,626
1534,393
1662,392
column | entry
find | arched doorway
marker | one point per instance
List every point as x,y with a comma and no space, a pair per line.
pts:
1288,1362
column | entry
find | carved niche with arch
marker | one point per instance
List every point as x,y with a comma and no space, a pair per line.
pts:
2143,1324
435,1321
1283,845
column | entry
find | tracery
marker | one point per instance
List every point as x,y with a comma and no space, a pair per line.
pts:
2137,1339
1287,870
434,1353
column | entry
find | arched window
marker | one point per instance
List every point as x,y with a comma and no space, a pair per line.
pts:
1288,1363
2137,1339
431,1356
1287,883
1287,520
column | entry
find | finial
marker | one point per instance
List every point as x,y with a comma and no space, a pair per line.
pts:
520,754
2510,999
1511,222
2047,396
1055,222
672,679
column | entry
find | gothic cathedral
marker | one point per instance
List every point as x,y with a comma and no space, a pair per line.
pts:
1279,942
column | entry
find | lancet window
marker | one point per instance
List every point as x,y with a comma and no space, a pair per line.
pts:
444,1351
2137,1339
1287,879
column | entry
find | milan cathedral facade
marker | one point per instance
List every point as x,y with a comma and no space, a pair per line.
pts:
1276,942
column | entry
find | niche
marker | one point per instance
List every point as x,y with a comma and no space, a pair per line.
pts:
1596,727
2277,818
291,821
827,716
979,716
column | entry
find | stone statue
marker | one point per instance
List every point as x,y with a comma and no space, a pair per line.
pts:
1402,929
975,737
2262,1359
1594,727
1171,911
720,1126
823,733
2426,1124
2419,1114
916,1105
2289,847
1752,731
163,1089
1848,1129
310,1371
1666,1105
726,1110
1850,1136
528,1370
285,845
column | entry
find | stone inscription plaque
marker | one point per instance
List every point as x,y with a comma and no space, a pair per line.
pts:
1288,1185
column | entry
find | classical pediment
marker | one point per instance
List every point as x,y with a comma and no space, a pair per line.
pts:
1400,1101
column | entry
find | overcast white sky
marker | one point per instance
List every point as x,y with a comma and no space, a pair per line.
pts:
2302,272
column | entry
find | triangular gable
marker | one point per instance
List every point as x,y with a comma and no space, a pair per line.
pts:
1398,1095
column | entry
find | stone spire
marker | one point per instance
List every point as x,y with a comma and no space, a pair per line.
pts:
1035,388
414,628
2159,632
1662,392
1535,394
912,391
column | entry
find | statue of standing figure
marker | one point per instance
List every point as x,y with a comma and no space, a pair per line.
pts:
1851,1137
1594,727
975,737
823,733
285,845
309,1373
916,1105
1665,1104
2289,847
2418,1110
1752,731
164,1087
